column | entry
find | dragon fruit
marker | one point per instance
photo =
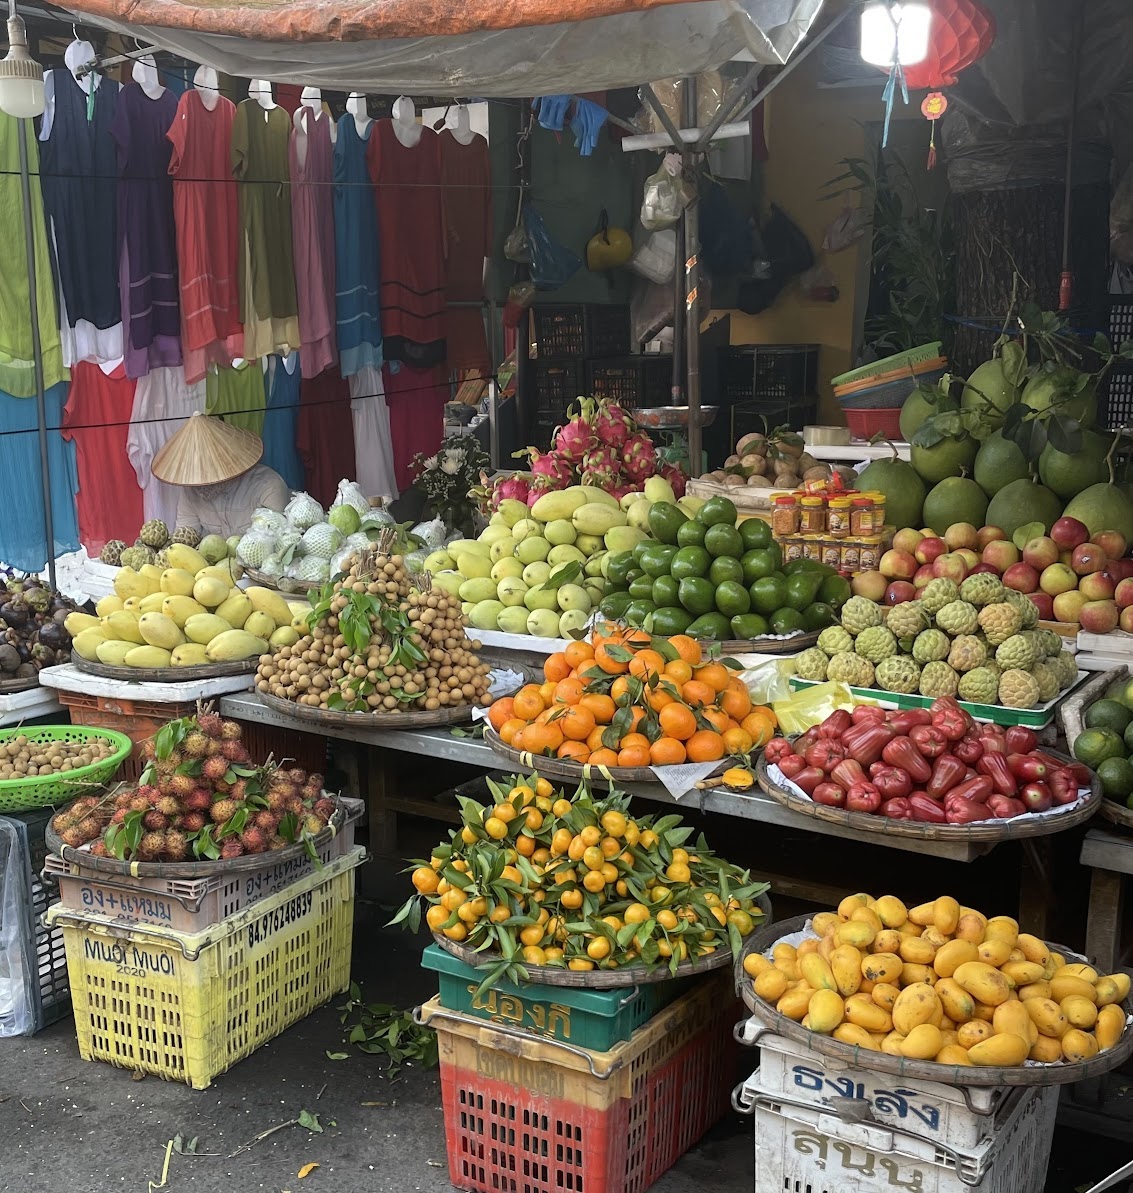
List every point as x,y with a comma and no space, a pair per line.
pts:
551,471
612,425
573,440
622,490
640,457
676,477
516,487
601,468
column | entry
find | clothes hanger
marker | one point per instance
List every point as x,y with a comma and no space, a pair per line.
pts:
356,106
144,73
260,91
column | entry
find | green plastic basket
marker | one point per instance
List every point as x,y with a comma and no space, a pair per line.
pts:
22,795
914,356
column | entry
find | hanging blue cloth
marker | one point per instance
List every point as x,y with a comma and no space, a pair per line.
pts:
281,421
23,536
586,123
356,259
551,110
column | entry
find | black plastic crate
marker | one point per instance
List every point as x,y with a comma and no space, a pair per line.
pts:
580,331
770,373
554,385
1116,404
54,992
1120,319
632,381
760,417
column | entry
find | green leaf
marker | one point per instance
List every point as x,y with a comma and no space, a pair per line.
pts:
338,1056
1029,436
1014,362
929,434
310,1121
1064,433
566,574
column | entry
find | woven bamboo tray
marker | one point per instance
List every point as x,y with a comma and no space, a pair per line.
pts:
794,645
985,831
561,768
1070,716
923,1070
369,720
165,674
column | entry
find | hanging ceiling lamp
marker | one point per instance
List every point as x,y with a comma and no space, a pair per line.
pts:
894,37
21,77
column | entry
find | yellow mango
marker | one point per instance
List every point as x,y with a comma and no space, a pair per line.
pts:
236,609
159,630
971,926
948,1032
826,1011
235,644
951,956
861,1010
810,945
910,928
923,914
892,1043
975,1031
1110,1025
958,1004
285,636
1034,990
891,911
827,945
188,654
881,967
866,915
1015,955
816,970
151,574
1033,949
983,1011
917,950
1122,980
886,941
912,975
1077,970
184,558
922,1043
113,652
983,983
1005,1048
148,657
265,600
858,1037
128,583
1047,1016
771,985
794,1004
204,627
76,622
915,1005
180,609
935,938
994,952
152,603
1002,927
1058,961
1079,1012
177,582
945,914
755,964
855,933
866,985
846,966
124,627
824,921
1064,987
210,592
1108,990
851,903
1078,1045
86,644
885,994
1012,1017
789,966
1046,1049
260,624
953,1054
132,605
1023,973
111,603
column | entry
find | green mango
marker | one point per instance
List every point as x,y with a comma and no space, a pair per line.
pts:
713,626
671,619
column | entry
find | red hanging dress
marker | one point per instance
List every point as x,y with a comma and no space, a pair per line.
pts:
416,400
466,175
325,434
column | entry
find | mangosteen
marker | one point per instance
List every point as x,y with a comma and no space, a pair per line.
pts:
61,615
26,671
9,658
24,652
38,599
15,612
52,635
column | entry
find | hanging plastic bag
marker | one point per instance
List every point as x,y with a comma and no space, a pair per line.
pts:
517,247
846,227
519,299
608,247
666,195
657,256
552,265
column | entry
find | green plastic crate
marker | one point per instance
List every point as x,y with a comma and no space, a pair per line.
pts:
591,1019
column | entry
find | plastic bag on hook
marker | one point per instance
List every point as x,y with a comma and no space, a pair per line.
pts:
552,265
666,195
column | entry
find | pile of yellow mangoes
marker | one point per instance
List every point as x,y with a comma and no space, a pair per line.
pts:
940,982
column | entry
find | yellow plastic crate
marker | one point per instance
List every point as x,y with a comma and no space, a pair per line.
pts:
187,1006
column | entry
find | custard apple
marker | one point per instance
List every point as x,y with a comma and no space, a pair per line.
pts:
189,535
161,559
982,589
1068,669
875,644
834,639
898,673
154,533
958,617
1052,643
811,664
859,613
938,593
112,553
967,652
1017,653
1028,610
1018,689
907,619
980,685
137,557
938,679
999,622
851,668
1047,675
931,646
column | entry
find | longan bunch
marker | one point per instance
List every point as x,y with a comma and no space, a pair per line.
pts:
23,758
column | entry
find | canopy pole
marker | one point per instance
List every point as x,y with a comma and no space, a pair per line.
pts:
689,285
25,127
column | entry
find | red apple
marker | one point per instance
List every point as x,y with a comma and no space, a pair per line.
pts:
961,534
1087,558
984,569
1125,621
1057,578
1099,617
1068,605
907,539
1112,542
1037,797
1097,586
869,584
1069,533
1044,603
899,592
1123,594
929,549
898,565
1040,552
924,575
969,557
1119,569
1022,577
950,566
1001,554
989,534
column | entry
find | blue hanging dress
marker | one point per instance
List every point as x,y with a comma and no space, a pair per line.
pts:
281,424
357,304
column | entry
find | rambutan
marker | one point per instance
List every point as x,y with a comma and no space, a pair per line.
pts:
221,788
176,847
298,776
182,785
164,769
210,723
155,821
277,801
231,848
234,751
277,842
71,836
119,816
63,820
266,820
88,828
239,789
198,800
315,781
215,747
98,849
175,759
230,731
214,769
149,749
254,840
326,808
312,824
169,805
193,822
284,788
295,806
150,847
196,745
139,803
223,811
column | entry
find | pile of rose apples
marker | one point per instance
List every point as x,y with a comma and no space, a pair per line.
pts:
1069,575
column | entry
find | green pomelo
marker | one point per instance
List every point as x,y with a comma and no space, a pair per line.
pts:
1103,507
1067,475
1046,387
999,461
947,458
989,382
917,408
955,499
903,488
1020,502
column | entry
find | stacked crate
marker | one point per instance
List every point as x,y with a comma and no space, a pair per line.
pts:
769,385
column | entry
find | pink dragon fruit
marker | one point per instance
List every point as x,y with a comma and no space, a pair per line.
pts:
622,490
612,425
516,487
576,438
676,477
601,468
640,458
551,471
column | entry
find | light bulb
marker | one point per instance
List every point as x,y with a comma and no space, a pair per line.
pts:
895,33
21,77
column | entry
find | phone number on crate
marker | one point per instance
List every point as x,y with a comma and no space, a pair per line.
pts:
294,909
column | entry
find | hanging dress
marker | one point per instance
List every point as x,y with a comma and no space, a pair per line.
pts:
357,304
78,159
326,434
311,160
237,395
410,209
23,535
281,422
97,420
163,401
466,178
373,442
266,265
151,315
204,209
17,367
416,400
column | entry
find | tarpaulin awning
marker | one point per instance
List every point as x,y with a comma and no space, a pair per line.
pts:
461,47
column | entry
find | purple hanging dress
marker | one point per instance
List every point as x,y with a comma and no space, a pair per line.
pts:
312,234
151,320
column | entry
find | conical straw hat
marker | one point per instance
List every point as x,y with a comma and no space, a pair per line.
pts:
206,451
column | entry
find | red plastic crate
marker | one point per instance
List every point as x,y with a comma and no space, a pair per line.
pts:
524,1114
865,423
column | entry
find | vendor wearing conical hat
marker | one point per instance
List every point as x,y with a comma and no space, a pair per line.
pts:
217,467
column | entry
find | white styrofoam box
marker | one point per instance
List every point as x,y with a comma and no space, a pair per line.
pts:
800,1148
68,678
1117,642
1100,662
958,1117
502,641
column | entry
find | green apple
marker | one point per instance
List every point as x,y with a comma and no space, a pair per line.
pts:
503,568
540,598
449,581
484,614
573,620
560,531
511,591
513,620
565,554
533,549
538,572
504,549
439,561
573,596
526,528
543,623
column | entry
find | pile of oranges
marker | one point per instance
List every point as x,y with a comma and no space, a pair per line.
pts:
623,698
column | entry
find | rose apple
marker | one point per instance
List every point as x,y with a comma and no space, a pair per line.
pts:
899,592
929,549
950,566
898,565
989,534
1044,603
1057,578
1123,594
1099,617
1068,605
970,558
924,575
869,584
1112,542
1001,554
1037,797
1125,621
907,539
1022,577
1069,533
982,569
1087,558
1040,552
1097,586
961,534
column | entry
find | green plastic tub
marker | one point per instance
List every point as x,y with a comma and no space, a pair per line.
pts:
25,795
